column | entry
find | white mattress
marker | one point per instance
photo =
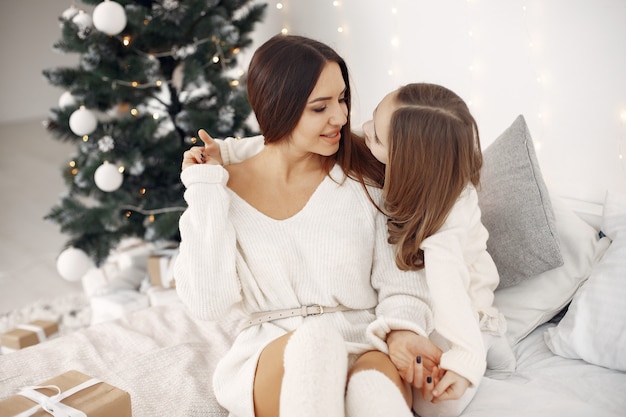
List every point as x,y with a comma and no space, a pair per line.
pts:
165,359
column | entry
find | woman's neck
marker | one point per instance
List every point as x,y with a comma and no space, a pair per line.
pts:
288,164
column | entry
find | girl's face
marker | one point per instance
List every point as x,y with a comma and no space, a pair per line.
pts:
377,130
319,128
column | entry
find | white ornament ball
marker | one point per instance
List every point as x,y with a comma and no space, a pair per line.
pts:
73,264
83,122
82,20
108,177
70,13
67,100
109,17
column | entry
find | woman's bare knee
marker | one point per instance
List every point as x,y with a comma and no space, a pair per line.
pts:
268,378
381,362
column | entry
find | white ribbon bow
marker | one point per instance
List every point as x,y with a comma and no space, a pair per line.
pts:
53,405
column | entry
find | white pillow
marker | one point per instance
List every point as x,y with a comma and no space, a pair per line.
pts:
594,327
536,300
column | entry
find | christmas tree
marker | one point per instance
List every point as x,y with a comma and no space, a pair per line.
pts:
150,74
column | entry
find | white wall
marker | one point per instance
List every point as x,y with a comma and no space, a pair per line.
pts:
28,29
561,63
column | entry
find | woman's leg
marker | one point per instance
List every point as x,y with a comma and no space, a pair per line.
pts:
375,388
302,374
269,377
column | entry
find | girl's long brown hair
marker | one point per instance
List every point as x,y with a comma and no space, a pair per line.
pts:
434,153
282,74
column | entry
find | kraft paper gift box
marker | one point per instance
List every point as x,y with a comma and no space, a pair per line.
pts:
161,267
30,334
69,393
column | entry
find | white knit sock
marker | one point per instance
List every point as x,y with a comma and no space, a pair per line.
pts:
372,394
316,366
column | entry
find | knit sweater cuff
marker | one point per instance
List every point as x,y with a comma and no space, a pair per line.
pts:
378,330
465,364
204,174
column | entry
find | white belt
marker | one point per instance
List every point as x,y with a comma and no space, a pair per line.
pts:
315,310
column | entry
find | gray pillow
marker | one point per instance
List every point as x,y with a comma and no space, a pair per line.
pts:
516,208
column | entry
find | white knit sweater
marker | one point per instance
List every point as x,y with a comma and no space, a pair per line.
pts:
235,261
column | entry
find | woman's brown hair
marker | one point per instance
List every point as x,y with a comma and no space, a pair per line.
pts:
434,153
281,76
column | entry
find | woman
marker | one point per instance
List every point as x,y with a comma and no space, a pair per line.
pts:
289,244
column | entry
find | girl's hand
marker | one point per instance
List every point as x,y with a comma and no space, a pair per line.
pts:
452,386
415,357
207,154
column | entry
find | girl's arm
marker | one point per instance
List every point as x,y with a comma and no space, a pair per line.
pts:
448,277
205,273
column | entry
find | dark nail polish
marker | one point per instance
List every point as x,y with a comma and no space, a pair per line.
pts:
419,359
429,379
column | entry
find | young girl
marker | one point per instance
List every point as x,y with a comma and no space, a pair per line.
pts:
288,245
429,142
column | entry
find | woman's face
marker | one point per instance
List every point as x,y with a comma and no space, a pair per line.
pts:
377,130
319,128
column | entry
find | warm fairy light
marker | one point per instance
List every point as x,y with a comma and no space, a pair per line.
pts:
336,3
74,171
134,112
193,140
234,83
155,116
279,6
142,191
159,83
127,214
216,59
126,40
121,169
236,51
340,29
284,31
85,138
134,83
72,164
151,218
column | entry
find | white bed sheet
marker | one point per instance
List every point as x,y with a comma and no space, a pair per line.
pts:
547,385
165,360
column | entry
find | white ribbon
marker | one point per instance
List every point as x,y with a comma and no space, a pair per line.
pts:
53,405
41,334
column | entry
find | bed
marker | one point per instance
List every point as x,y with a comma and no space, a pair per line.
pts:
563,303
